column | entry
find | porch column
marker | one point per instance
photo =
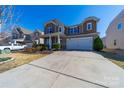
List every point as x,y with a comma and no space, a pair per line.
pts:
0,28
59,40
50,42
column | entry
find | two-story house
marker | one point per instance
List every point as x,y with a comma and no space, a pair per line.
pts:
115,33
79,36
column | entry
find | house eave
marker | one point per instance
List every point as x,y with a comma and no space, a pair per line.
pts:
91,18
83,35
52,34
70,36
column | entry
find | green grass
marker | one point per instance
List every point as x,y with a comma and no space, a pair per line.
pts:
4,59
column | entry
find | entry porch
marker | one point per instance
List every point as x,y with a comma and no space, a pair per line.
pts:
54,38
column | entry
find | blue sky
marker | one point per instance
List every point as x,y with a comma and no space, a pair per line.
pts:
33,17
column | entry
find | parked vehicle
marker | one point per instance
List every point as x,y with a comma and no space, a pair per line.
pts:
13,47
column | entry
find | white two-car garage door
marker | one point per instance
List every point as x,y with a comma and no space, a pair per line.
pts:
85,43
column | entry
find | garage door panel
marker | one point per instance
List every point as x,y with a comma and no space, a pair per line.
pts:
80,43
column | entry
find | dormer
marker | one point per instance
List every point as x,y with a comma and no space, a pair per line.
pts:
54,26
89,25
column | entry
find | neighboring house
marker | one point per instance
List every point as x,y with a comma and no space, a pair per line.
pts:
5,41
115,33
5,38
21,35
78,36
24,36
36,37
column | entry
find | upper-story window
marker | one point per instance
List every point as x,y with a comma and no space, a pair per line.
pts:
73,30
15,36
28,37
68,30
76,30
89,26
119,26
49,29
60,29
36,34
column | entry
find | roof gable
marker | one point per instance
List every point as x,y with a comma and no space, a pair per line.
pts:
56,22
112,27
39,31
23,30
91,18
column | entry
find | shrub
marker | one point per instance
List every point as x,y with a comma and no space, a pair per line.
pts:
34,44
41,47
33,50
98,44
44,47
56,46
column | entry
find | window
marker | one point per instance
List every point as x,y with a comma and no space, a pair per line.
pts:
15,36
60,29
49,29
89,26
28,37
119,26
114,42
71,30
75,30
78,30
36,34
68,31
47,41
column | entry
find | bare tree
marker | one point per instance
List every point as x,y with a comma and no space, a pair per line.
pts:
8,18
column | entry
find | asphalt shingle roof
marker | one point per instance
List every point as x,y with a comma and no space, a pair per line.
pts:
25,31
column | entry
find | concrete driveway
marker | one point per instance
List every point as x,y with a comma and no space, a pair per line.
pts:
65,69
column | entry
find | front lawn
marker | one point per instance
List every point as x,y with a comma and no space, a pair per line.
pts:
20,58
116,56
